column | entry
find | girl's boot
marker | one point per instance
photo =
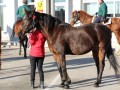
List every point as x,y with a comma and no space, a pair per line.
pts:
32,84
42,84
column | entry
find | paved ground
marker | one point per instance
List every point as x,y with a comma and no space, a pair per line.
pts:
15,73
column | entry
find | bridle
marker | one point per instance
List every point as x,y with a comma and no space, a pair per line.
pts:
76,17
31,26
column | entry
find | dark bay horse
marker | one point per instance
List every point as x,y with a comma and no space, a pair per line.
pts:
22,41
64,39
85,18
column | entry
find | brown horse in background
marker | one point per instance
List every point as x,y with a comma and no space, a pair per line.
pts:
85,18
64,39
22,41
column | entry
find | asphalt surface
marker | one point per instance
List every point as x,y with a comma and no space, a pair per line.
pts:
15,73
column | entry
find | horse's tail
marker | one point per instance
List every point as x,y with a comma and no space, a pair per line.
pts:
113,61
13,31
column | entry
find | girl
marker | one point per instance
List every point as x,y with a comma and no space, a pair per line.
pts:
37,54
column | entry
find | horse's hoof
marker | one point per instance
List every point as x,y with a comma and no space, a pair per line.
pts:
95,85
12,36
69,82
25,57
66,87
62,85
0,68
19,54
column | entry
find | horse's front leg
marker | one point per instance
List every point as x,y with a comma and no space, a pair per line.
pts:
19,48
59,69
26,41
61,62
24,47
65,78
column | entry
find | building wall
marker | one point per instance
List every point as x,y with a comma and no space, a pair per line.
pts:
8,18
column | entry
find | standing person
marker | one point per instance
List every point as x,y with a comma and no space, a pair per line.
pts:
102,12
20,11
37,54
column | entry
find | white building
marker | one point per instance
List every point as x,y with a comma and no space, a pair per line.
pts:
8,10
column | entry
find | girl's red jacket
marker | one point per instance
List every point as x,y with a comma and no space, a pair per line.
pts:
37,42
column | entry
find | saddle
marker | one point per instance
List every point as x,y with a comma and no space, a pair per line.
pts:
105,22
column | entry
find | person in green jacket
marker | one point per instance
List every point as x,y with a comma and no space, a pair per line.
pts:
102,12
21,10
21,13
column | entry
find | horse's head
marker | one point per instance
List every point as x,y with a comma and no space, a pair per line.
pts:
75,17
31,21
82,16
28,22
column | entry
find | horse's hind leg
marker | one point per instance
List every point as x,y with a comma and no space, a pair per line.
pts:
96,58
99,57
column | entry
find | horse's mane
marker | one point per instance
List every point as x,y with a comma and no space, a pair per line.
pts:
49,20
84,13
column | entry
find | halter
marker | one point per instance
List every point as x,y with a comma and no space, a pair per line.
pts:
30,26
76,17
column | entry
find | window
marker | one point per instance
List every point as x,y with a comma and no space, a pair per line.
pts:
1,1
110,10
60,9
57,8
91,8
117,9
59,0
31,4
31,0
59,4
